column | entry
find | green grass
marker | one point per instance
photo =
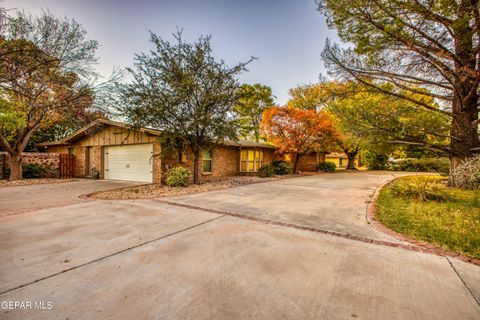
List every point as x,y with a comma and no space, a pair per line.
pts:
450,221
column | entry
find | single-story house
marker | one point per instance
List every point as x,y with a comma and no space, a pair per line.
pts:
116,151
341,159
310,161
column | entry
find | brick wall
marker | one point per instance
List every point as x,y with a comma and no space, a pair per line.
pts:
79,153
270,155
308,162
225,162
157,163
50,161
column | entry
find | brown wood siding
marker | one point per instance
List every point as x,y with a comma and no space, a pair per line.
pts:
115,136
107,136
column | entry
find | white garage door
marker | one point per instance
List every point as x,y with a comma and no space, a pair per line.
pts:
129,162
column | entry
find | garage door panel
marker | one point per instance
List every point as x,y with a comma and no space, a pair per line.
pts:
129,162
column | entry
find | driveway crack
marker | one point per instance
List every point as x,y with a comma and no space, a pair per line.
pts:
111,255
463,281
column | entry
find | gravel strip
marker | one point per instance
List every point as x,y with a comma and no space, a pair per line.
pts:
156,191
26,182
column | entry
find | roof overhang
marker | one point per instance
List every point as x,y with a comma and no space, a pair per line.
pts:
99,122
248,144
85,131
53,143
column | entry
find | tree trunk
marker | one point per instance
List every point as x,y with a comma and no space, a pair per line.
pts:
464,128
196,160
465,134
351,160
295,163
15,164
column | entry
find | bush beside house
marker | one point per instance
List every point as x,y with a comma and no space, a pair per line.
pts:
282,167
178,177
267,170
326,167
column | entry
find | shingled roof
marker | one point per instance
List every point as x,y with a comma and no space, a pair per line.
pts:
84,132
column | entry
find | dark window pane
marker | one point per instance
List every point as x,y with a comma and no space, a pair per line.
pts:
207,166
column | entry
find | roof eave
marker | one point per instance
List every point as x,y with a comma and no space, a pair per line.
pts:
53,144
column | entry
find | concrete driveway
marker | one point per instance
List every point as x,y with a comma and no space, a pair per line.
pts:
150,260
34,197
334,202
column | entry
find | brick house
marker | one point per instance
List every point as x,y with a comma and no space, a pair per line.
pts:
309,162
341,159
120,153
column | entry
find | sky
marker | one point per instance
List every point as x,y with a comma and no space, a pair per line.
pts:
287,36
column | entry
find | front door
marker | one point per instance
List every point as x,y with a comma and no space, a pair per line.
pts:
89,161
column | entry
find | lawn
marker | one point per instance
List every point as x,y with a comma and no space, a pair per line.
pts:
449,218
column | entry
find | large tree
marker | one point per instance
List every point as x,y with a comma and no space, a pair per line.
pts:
368,119
414,45
306,96
182,90
252,101
298,131
384,121
46,72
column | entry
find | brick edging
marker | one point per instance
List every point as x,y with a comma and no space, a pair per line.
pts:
349,236
424,246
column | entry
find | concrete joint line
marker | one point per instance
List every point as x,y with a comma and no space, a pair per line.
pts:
110,255
27,211
321,188
463,281
385,243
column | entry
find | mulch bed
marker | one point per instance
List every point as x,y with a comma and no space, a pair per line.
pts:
26,182
156,191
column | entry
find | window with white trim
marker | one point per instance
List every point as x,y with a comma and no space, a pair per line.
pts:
207,161
251,160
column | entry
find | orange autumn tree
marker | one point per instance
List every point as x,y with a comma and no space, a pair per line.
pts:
297,131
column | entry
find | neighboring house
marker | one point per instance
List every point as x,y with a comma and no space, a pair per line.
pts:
310,161
117,152
341,159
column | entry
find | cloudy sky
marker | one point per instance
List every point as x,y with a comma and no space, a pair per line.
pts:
287,36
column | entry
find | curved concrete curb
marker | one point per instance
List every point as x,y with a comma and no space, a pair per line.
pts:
424,246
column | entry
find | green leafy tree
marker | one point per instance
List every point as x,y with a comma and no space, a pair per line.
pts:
252,101
351,145
46,73
306,96
180,88
383,122
414,45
